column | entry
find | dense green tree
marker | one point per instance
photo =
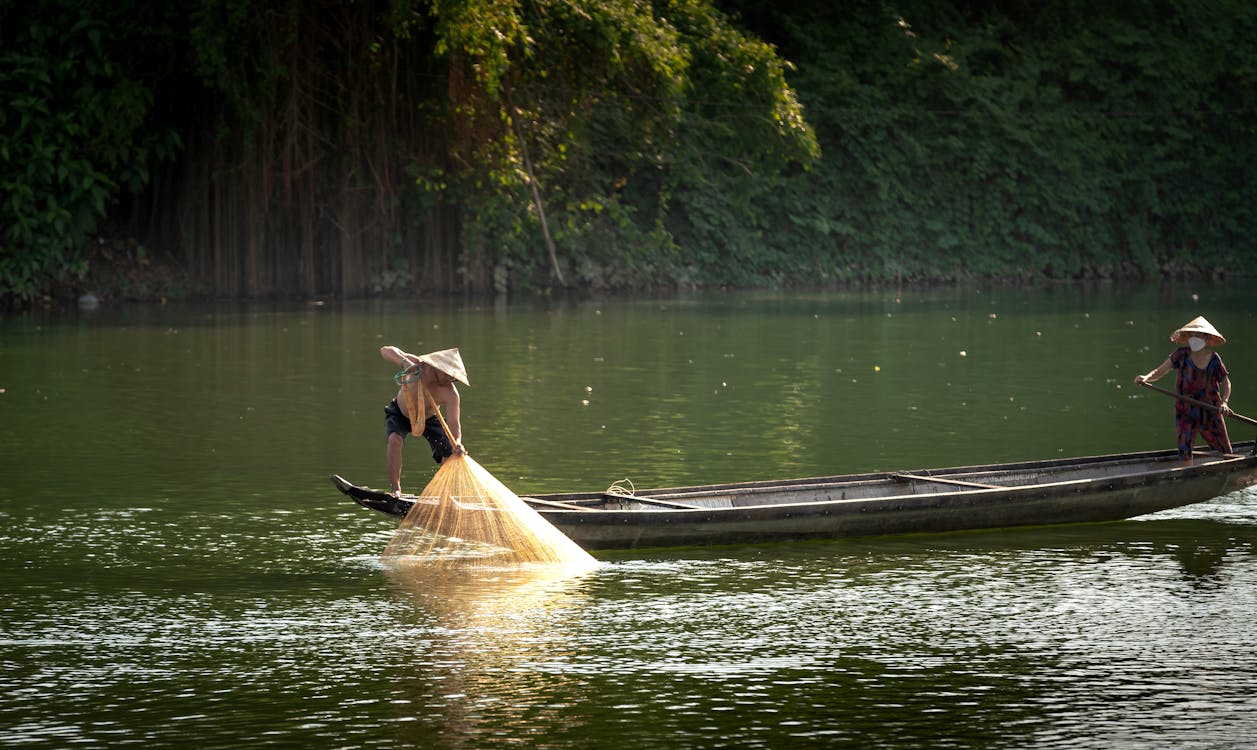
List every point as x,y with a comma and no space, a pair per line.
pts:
1025,139
646,130
74,131
321,146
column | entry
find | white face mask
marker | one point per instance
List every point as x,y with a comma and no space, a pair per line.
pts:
1196,343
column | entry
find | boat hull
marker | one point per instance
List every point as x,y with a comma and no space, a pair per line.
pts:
979,509
1095,489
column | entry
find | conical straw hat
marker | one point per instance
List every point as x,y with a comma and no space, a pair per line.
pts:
1201,327
449,362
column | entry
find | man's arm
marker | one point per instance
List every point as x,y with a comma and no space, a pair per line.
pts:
398,357
452,418
447,396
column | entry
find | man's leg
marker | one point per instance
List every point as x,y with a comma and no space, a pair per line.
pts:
394,456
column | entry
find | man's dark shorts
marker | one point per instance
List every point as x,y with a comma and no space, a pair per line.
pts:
395,420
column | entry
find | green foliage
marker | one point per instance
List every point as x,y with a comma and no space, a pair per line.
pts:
743,128
227,52
1049,140
629,114
71,135
376,146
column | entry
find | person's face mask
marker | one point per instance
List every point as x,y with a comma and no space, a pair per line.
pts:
1196,343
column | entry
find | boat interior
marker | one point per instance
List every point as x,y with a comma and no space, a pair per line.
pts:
892,484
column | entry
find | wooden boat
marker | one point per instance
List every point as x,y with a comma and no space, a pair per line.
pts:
1033,493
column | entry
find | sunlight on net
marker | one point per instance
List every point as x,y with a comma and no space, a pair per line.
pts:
465,518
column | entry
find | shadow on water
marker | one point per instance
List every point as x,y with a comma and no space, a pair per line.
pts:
1201,546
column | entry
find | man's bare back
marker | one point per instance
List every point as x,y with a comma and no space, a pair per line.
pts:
439,385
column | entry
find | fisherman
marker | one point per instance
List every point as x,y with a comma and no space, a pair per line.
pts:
426,382
1203,377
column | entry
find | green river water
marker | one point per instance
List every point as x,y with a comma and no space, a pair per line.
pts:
177,571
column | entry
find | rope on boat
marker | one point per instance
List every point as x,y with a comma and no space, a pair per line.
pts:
617,489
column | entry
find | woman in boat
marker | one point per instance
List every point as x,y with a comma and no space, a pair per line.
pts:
1203,377
425,380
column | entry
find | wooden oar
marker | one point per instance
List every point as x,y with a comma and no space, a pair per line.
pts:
1197,402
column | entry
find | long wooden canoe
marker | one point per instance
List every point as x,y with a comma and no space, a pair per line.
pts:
1033,493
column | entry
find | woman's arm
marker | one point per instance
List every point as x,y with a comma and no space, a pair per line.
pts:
1156,374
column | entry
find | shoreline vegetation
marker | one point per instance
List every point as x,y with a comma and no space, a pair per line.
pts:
127,275
230,149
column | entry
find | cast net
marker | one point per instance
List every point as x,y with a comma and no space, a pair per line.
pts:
466,518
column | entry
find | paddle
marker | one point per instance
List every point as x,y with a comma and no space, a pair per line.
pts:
1197,402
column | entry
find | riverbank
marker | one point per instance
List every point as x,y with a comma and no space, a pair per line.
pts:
124,271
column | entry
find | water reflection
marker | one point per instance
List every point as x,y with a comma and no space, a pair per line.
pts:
492,632
482,590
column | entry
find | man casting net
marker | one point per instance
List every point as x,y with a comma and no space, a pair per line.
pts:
464,517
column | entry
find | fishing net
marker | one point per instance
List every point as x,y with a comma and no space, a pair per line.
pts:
466,518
